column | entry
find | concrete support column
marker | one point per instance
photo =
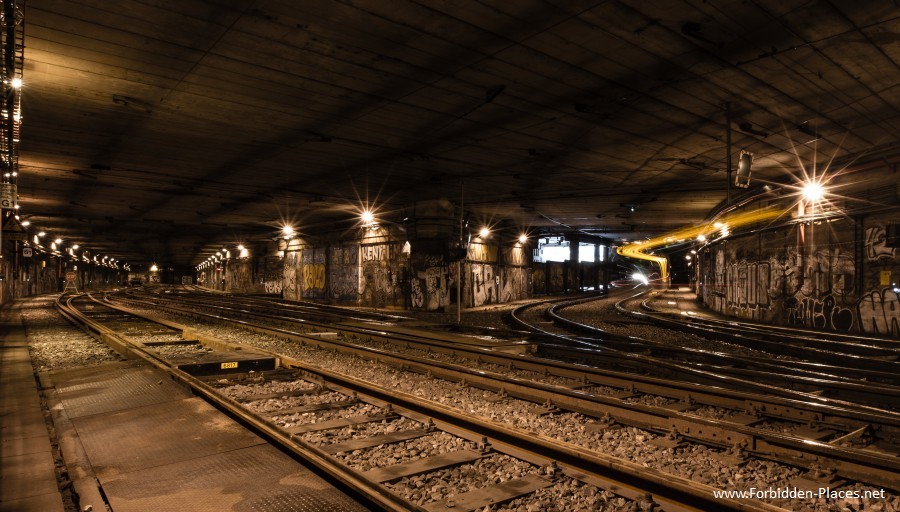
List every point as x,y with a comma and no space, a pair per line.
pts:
574,263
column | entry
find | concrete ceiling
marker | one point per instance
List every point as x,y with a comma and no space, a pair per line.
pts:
159,130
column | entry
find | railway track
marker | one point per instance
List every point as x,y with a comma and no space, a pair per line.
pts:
809,344
742,365
344,424
608,400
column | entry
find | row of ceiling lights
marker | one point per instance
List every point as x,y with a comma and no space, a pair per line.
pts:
812,191
11,177
222,255
56,248
288,232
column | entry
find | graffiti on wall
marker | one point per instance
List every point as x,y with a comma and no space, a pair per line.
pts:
879,312
312,273
817,289
430,287
417,294
239,277
436,292
821,313
378,284
486,253
343,277
876,244
370,253
750,287
514,284
272,287
484,284
290,283
272,278
313,277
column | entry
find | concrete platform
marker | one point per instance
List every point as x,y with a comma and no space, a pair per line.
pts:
27,469
134,440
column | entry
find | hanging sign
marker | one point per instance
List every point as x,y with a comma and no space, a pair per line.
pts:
7,195
13,230
26,252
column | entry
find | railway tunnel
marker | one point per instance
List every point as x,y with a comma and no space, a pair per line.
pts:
700,193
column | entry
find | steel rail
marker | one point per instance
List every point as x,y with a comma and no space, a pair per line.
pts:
375,494
625,478
708,369
578,372
863,465
881,361
817,376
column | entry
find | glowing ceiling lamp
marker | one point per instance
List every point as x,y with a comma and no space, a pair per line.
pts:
813,191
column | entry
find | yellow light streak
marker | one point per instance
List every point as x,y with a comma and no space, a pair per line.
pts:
638,249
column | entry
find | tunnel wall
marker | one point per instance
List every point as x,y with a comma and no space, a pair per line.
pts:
836,275
45,273
381,269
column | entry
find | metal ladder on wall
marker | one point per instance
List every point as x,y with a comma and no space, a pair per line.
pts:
12,59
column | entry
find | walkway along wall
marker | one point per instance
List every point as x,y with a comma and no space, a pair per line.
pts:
839,274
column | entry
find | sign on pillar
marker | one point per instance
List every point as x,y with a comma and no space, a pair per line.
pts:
70,282
8,195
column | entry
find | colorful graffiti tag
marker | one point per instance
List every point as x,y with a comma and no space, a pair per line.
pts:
821,289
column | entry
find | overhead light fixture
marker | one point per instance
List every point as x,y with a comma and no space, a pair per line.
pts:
16,83
484,232
367,217
523,238
813,191
287,231
742,178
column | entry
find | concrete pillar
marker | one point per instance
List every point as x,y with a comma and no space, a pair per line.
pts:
574,264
